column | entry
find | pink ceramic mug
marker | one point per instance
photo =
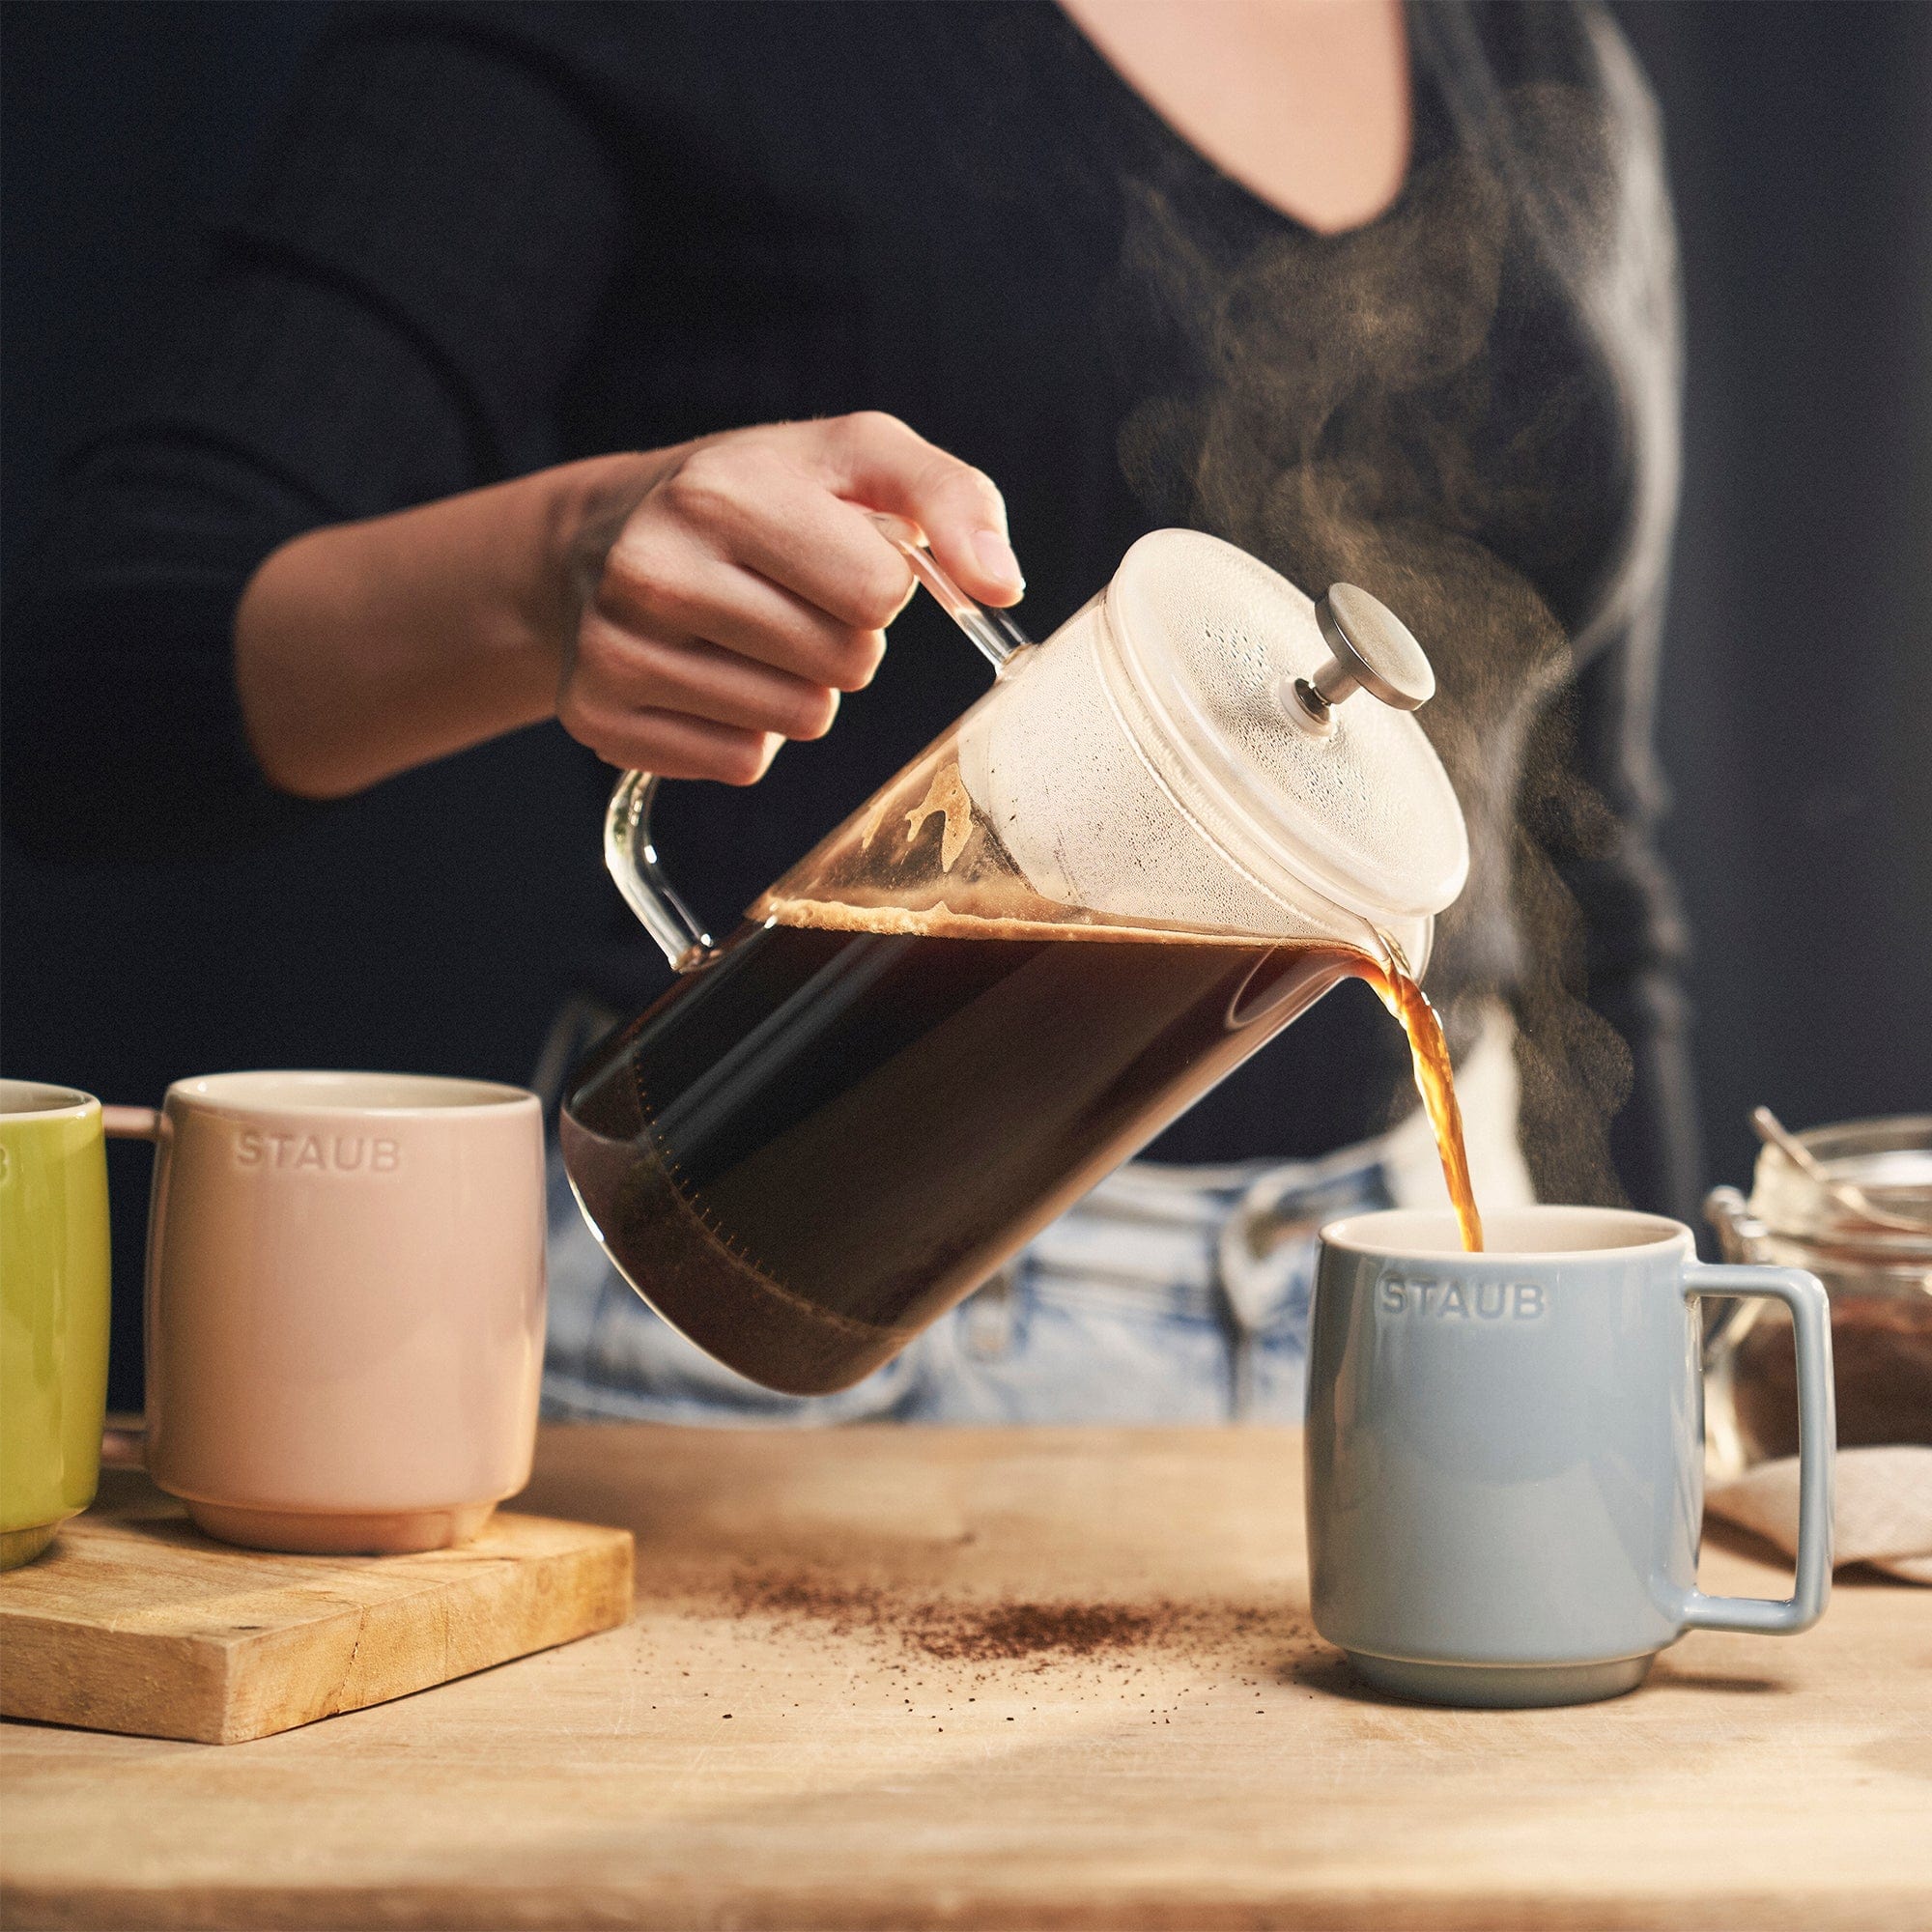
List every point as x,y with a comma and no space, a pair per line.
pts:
345,1305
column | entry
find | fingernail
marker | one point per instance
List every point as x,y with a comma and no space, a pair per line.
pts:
997,559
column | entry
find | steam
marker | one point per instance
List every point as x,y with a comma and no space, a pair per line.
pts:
1344,425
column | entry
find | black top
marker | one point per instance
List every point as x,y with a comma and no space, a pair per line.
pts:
490,239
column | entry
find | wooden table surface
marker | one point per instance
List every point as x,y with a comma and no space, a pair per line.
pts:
883,1678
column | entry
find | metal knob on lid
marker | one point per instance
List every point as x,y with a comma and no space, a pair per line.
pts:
1369,649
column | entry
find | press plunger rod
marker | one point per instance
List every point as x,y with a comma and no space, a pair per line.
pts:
1369,649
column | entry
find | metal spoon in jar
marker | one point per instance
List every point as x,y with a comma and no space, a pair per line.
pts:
1773,1131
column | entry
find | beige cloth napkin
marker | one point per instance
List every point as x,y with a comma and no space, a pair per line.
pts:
1882,1512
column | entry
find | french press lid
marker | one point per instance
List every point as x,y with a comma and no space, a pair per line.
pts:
1283,724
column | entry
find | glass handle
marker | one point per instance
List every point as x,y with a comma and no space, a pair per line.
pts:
994,634
630,859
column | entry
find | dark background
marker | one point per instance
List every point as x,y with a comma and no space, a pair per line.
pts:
433,924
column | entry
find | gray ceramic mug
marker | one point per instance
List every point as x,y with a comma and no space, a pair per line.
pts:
1505,1452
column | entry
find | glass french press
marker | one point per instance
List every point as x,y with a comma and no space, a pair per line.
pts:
1164,832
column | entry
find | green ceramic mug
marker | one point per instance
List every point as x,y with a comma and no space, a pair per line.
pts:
53,1311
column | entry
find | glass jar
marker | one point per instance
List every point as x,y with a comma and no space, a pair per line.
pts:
1879,1278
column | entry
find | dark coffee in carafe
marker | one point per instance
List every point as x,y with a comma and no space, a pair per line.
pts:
806,1154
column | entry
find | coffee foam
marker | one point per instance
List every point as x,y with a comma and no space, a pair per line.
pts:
941,921
1038,818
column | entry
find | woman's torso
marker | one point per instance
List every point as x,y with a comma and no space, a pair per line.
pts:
964,215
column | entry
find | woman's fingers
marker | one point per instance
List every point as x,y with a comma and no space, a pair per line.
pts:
876,460
754,501
665,578
629,669
673,745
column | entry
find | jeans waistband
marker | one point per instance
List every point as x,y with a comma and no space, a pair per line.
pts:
1215,1242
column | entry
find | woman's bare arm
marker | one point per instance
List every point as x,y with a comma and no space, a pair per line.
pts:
684,610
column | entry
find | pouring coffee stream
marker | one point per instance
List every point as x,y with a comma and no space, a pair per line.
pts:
1164,832
1436,1082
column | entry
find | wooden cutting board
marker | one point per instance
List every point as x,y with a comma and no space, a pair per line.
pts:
136,1622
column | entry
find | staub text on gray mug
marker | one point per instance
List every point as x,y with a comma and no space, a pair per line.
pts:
1505,1452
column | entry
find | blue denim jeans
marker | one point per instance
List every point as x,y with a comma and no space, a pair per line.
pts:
1167,1294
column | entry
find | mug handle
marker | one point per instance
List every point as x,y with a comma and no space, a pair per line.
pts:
122,1445
630,857
1804,1294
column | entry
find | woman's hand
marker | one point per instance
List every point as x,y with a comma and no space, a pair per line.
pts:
684,610
728,604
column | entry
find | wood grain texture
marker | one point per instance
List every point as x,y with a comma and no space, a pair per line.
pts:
825,1713
135,1622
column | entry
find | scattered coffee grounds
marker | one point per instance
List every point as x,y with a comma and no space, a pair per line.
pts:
984,1632
1003,1630
946,1655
